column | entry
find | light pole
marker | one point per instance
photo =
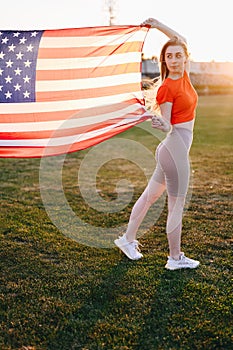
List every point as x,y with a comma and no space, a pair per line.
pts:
110,8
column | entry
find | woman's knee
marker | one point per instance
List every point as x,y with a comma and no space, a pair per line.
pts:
154,191
176,203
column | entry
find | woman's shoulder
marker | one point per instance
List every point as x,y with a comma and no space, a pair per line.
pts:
165,93
186,76
166,83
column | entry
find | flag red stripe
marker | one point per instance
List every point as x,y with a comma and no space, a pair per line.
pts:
67,114
36,152
95,31
75,52
48,134
62,132
86,93
86,72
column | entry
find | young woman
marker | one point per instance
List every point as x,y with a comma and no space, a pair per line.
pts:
177,100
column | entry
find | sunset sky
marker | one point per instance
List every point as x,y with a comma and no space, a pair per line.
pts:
206,24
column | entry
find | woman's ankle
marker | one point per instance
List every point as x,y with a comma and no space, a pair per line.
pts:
129,238
176,256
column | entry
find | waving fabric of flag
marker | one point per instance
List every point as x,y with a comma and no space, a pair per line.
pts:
66,90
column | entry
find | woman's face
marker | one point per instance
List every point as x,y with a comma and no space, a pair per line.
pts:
175,59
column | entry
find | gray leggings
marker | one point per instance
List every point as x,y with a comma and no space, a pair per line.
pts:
171,173
172,156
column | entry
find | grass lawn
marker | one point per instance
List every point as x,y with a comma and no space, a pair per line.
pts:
59,293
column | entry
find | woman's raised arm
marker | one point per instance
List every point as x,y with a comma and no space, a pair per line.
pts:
154,23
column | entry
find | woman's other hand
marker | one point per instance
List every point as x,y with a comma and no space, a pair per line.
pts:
160,123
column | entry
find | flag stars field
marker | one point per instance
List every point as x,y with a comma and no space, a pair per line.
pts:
18,53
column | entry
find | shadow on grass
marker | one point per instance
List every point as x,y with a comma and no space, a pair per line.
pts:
90,299
85,327
132,306
184,315
167,307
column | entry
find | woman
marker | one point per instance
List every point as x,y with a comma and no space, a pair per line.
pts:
177,100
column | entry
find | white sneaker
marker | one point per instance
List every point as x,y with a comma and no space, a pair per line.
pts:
130,249
182,263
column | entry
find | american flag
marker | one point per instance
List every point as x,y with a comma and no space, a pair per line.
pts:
66,90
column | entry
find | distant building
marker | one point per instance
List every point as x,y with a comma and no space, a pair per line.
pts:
207,77
150,68
222,68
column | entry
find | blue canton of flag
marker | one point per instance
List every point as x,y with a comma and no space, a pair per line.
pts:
18,56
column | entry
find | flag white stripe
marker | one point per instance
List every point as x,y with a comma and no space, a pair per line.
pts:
90,62
88,83
87,41
69,105
67,123
69,140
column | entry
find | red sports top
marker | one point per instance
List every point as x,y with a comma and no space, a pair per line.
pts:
183,97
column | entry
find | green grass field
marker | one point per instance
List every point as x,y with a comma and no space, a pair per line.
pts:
59,294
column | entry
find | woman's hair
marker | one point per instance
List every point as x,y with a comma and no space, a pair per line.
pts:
174,41
153,85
